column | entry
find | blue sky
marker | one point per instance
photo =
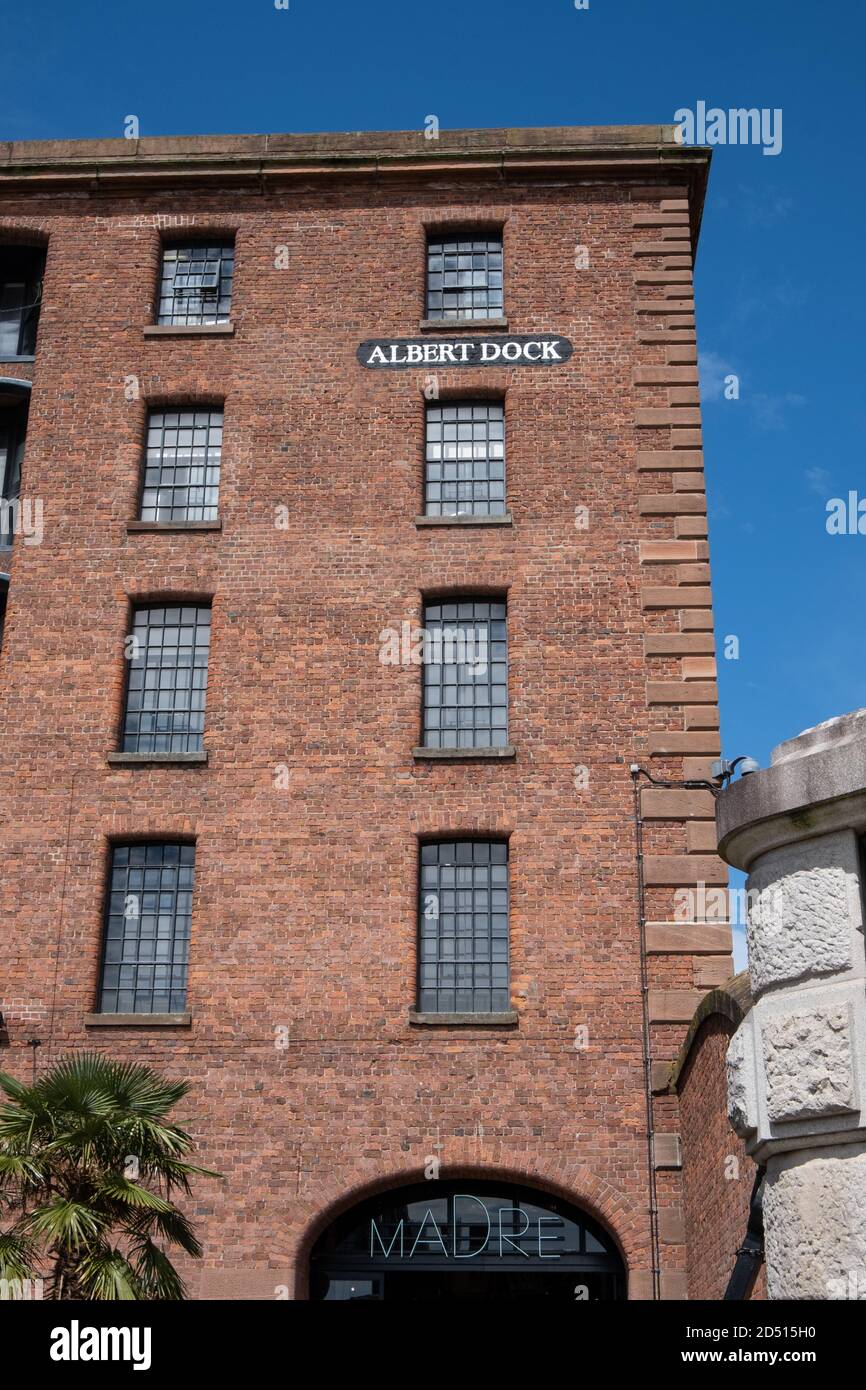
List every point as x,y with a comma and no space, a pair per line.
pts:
779,270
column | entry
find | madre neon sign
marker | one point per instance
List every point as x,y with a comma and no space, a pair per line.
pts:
475,1225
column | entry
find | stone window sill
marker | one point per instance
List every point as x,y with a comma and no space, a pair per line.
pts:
137,1020
215,525
189,330
19,357
503,1020
139,759
463,754
506,520
461,325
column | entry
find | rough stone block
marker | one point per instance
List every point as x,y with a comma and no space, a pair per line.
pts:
805,917
815,1224
742,1080
807,1058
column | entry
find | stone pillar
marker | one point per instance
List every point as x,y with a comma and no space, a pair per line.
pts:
797,1063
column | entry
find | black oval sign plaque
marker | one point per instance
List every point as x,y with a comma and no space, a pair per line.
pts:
528,350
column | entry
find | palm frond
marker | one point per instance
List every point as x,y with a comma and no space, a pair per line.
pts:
18,1256
64,1223
155,1272
105,1273
21,1169
171,1226
129,1193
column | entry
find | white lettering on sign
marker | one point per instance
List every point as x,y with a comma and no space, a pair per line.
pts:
525,1239
464,352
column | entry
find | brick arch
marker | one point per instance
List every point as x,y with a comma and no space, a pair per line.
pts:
578,1185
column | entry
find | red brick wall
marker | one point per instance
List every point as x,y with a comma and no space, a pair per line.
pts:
717,1173
304,915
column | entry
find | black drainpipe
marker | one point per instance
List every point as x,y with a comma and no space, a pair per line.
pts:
750,1255
647,1058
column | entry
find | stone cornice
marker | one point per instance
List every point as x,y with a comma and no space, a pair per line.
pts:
649,153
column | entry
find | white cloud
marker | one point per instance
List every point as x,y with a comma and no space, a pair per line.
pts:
713,368
819,481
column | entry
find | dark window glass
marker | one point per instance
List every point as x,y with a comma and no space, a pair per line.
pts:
167,680
21,270
465,459
464,277
182,465
13,429
465,675
196,284
147,923
463,928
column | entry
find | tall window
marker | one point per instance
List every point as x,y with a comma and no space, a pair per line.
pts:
465,459
21,270
464,276
196,285
146,949
465,675
463,928
182,465
167,680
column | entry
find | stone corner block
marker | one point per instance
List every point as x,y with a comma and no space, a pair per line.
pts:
667,1151
805,912
808,1060
815,1224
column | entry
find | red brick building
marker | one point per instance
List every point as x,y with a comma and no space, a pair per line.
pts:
213,850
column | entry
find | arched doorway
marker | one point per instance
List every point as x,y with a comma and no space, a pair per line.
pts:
469,1239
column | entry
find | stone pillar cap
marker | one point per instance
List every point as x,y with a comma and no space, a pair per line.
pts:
844,728
815,785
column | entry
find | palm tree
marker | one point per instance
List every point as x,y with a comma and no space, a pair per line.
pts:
88,1165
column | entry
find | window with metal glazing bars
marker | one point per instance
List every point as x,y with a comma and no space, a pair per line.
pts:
182,465
166,687
147,926
196,284
21,269
463,928
465,664
465,459
464,276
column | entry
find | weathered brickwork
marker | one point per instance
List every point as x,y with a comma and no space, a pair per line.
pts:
718,1175
304,917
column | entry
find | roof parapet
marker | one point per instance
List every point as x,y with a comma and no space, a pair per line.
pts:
651,152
